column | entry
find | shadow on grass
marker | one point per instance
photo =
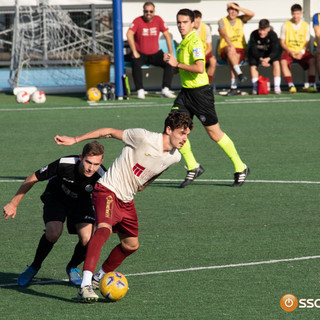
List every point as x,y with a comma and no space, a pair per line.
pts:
164,184
9,281
13,178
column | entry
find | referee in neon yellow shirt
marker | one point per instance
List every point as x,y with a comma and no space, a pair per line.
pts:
196,98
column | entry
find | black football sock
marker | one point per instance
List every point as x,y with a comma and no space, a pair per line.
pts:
44,248
79,255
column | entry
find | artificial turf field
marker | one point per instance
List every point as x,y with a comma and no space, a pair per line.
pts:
208,251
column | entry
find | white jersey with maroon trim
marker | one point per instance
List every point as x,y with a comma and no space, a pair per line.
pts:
141,159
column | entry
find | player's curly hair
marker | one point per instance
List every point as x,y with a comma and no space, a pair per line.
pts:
177,119
93,148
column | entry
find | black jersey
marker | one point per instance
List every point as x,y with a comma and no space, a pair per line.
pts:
65,180
264,47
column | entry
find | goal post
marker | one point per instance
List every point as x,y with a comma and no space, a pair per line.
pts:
118,47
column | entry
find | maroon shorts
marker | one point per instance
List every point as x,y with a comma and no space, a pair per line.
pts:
109,209
242,53
304,62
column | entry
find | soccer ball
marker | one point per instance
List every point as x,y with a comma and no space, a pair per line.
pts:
22,97
114,286
38,97
93,94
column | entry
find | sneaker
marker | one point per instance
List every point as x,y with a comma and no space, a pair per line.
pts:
242,77
277,90
95,284
292,89
254,92
312,90
165,92
240,177
26,276
74,276
141,94
86,294
191,175
232,92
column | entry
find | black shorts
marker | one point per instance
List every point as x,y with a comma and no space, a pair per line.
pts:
255,61
75,211
199,102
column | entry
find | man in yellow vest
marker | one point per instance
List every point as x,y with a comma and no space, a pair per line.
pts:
294,40
204,32
232,46
316,28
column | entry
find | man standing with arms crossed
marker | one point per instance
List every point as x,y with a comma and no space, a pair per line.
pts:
196,98
143,39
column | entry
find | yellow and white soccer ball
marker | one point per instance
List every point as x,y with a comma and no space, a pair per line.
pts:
93,94
114,286
22,97
38,97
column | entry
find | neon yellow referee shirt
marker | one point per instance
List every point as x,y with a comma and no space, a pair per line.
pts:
189,51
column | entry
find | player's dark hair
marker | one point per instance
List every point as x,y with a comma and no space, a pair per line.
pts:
197,14
264,24
186,12
296,7
177,119
148,3
235,5
93,148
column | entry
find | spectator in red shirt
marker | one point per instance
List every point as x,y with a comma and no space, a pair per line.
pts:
143,39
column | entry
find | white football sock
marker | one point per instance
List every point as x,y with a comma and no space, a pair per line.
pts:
86,278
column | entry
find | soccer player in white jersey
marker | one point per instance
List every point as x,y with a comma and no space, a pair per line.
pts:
145,156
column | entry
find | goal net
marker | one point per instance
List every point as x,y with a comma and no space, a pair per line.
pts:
48,46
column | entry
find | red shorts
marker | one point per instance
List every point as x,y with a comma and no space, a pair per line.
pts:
304,62
242,53
109,209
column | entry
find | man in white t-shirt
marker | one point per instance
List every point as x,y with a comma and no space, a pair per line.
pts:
145,156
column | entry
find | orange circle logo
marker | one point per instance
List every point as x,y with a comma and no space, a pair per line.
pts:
288,302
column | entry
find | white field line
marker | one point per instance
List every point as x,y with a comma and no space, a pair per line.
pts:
110,105
234,265
207,180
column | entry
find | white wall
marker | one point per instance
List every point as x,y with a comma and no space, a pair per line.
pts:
8,3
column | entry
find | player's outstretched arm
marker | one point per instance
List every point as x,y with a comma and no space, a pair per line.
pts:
11,208
95,134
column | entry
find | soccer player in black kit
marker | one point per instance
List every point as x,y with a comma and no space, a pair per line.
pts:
264,50
67,196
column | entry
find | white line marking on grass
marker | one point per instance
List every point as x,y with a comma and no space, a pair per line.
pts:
211,180
152,104
100,106
234,265
252,181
